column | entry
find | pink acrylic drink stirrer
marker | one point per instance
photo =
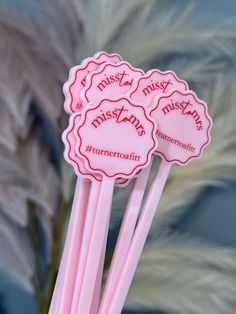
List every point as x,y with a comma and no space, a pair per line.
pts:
101,144
72,88
94,90
183,132
144,89
79,260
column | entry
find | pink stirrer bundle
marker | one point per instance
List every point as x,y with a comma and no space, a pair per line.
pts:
120,119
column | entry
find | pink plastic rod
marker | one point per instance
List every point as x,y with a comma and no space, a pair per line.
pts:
125,277
126,233
63,290
84,191
98,234
88,225
98,283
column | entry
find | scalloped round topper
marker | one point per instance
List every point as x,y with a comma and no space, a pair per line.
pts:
153,83
77,78
116,137
110,80
72,158
183,126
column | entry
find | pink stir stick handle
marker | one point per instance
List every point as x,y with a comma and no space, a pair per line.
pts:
125,277
87,233
98,283
98,233
125,234
63,290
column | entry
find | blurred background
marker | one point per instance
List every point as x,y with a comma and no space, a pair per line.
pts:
189,263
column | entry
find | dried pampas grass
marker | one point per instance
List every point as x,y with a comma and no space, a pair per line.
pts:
35,62
180,275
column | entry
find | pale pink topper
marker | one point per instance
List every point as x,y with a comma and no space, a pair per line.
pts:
183,126
153,83
116,137
77,79
110,80
72,158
